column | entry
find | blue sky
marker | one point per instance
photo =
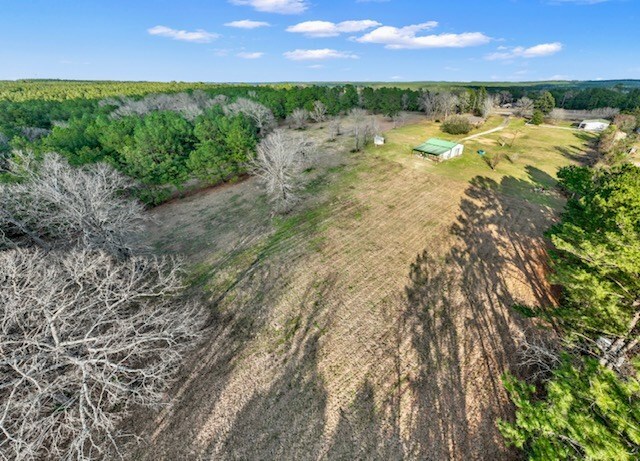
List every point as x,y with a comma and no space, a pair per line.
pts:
320,40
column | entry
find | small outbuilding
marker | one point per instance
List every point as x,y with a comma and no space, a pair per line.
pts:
378,140
598,124
439,149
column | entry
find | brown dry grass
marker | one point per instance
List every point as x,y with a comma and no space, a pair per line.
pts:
375,324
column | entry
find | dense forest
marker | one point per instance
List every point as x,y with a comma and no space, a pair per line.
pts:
164,134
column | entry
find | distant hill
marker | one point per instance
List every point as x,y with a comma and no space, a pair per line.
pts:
534,85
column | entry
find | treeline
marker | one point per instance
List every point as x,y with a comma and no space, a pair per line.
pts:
164,140
164,137
63,90
159,148
574,97
582,396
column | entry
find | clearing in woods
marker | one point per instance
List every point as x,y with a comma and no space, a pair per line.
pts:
374,322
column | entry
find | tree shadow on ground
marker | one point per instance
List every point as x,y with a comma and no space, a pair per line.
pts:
453,320
225,339
584,154
286,420
439,420
463,327
364,431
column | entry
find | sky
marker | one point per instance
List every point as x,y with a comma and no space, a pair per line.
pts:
320,40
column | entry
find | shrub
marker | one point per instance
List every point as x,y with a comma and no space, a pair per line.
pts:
493,159
538,117
456,125
625,122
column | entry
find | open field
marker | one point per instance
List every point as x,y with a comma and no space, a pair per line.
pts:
374,322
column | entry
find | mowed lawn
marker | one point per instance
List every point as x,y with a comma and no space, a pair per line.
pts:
375,321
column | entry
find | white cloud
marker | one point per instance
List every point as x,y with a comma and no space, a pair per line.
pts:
325,53
197,36
247,24
275,6
250,54
316,66
331,29
537,51
396,38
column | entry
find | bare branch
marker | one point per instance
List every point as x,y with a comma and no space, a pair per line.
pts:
279,162
83,336
298,119
539,356
54,204
319,112
261,115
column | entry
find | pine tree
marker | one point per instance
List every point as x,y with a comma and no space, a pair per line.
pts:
597,257
588,413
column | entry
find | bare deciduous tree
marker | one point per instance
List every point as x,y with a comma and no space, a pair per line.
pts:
4,140
261,115
406,101
363,128
334,128
557,114
399,119
33,133
298,119
487,106
428,103
493,159
319,112
83,336
605,112
279,162
567,96
539,356
440,104
56,202
446,103
189,105
524,107
504,97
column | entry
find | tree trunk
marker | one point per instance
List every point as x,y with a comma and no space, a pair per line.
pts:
615,355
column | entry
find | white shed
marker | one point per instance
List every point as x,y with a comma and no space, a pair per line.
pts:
598,124
378,140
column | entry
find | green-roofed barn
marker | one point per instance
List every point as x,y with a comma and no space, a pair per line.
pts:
439,149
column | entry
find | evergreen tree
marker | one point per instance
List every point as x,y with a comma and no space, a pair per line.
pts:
545,102
597,256
538,117
588,412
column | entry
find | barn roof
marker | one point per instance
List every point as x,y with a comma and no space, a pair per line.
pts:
435,146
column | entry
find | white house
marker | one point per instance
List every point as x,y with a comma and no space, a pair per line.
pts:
598,124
